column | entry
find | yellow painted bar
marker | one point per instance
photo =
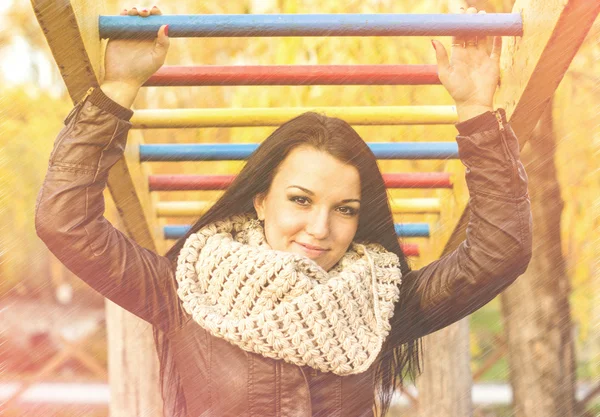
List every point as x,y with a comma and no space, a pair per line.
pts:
198,208
181,208
415,205
226,117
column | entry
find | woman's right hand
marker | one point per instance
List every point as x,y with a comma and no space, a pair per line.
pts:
128,63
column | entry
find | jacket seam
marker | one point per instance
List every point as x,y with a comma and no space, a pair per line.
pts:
185,319
476,230
339,396
278,388
63,164
514,172
505,198
476,227
521,227
475,221
67,130
513,200
58,168
309,402
250,385
210,385
87,189
114,134
478,133
39,200
73,113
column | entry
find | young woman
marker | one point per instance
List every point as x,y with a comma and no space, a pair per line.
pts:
291,296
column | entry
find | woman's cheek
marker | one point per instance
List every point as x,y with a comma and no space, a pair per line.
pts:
282,227
290,221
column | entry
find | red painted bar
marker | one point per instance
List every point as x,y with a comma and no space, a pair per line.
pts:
418,180
189,182
295,75
410,249
221,182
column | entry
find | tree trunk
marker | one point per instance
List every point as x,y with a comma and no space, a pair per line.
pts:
133,368
445,384
132,365
536,307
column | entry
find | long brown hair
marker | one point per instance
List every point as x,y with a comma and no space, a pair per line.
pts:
376,225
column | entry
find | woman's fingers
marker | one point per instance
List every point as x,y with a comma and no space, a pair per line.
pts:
162,39
162,34
496,48
471,41
141,11
442,59
482,40
458,41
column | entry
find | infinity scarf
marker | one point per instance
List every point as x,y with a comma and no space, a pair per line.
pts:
283,305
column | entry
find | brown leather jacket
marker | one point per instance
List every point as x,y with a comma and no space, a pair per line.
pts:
220,379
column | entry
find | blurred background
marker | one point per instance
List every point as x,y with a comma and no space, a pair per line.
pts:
52,330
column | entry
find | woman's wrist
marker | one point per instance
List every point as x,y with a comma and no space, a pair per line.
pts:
120,92
466,112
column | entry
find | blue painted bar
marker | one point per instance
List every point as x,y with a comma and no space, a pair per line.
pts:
259,25
175,231
412,229
241,151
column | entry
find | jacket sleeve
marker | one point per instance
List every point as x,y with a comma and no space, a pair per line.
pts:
498,243
69,215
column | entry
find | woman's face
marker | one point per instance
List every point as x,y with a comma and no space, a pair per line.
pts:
312,206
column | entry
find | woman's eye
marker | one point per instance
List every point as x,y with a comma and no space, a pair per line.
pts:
305,201
348,211
300,200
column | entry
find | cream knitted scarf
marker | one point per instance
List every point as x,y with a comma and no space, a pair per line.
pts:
283,305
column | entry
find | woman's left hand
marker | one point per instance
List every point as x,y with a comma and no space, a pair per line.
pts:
471,74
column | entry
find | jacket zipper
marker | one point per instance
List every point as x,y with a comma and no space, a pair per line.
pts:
87,94
513,164
502,138
67,120
78,105
499,119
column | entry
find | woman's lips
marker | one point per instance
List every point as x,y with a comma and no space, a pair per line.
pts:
311,249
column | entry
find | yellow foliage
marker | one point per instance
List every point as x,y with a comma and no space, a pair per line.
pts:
576,110
26,141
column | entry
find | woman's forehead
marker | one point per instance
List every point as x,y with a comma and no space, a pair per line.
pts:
308,167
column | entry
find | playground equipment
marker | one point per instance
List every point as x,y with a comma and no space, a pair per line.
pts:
542,40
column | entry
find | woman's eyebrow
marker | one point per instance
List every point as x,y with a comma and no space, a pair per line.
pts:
307,191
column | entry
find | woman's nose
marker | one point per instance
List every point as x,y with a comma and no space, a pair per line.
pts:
318,225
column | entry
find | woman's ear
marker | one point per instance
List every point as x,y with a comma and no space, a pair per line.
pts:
259,202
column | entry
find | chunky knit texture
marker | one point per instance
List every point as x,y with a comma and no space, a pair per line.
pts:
283,305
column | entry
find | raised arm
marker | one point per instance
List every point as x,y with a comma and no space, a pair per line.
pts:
498,243
69,213
497,248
